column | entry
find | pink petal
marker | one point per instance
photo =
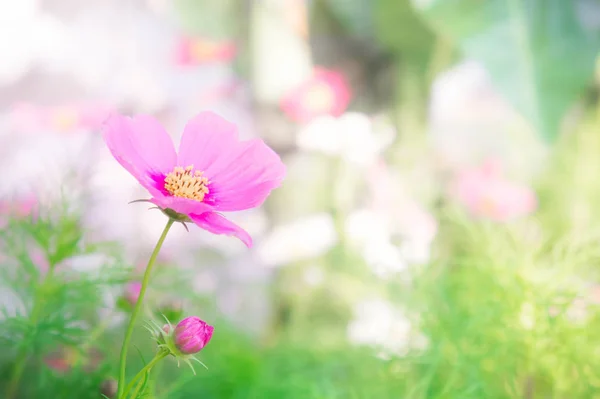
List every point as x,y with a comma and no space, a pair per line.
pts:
241,173
205,139
217,224
141,146
180,205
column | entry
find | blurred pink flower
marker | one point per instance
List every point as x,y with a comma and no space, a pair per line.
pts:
64,358
20,208
132,292
191,335
197,51
325,93
23,207
39,259
214,171
64,118
486,193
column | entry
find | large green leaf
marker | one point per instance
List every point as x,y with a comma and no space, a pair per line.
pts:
537,51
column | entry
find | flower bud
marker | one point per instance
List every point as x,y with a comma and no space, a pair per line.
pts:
191,335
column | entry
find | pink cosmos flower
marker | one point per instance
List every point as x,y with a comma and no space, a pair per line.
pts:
325,93
212,172
191,335
196,51
486,193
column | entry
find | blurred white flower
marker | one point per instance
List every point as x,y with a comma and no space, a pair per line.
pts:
384,258
111,318
301,239
377,323
351,137
417,229
470,120
88,263
364,225
370,232
373,233
405,218
314,275
27,35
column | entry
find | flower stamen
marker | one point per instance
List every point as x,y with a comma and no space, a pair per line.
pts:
187,183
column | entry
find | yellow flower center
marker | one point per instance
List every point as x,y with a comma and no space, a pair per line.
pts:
487,206
64,119
202,50
187,183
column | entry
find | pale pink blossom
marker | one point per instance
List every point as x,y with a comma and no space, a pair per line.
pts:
326,93
65,118
19,208
487,193
213,171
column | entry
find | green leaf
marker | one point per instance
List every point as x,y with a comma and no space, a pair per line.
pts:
537,52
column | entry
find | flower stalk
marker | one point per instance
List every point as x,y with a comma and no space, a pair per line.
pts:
137,309
159,356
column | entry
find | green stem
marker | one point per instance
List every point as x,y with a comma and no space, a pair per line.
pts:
152,382
159,356
21,360
137,307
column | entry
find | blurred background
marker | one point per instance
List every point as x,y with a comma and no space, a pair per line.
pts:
435,236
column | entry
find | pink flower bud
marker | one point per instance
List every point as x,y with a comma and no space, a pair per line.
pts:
191,335
132,292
